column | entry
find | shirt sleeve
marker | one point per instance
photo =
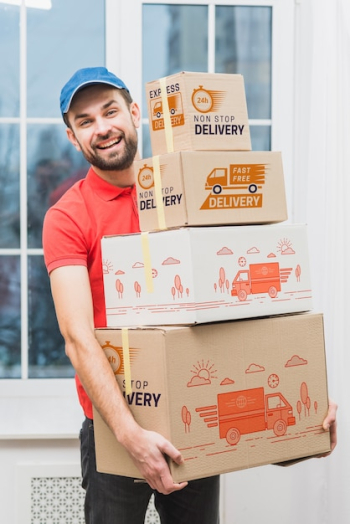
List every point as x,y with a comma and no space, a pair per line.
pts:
64,242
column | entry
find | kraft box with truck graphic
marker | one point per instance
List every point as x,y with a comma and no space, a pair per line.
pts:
210,188
229,395
198,111
205,274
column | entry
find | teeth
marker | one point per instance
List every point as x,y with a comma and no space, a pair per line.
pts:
111,143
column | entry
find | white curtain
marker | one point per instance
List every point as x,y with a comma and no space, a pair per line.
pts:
318,490
323,172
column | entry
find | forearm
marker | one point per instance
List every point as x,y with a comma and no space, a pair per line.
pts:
98,380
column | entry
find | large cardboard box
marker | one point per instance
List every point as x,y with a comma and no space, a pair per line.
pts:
210,188
229,396
205,274
198,111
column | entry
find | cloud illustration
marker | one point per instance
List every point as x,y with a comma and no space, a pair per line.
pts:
198,381
119,272
271,255
227,381
169,261
225,251
254,368
288,251
296,361
253,251
137,265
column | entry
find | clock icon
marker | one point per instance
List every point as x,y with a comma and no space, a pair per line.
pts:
273,380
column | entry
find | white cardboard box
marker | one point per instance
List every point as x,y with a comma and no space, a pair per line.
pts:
205,274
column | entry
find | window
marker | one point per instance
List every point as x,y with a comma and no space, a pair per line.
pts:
39,49
241,43
139,40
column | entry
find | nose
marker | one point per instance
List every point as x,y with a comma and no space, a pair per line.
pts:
102,126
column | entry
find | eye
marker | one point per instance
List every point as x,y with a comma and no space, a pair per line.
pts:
111,112
84,123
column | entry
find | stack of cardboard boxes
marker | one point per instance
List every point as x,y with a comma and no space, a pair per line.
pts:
210,333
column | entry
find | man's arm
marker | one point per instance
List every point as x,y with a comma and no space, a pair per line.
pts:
73,302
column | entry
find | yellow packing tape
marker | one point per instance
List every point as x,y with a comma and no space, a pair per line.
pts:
158,193
147,261
126,358
166,115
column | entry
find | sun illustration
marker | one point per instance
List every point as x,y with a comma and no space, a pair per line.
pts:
107,267
284,245
204,370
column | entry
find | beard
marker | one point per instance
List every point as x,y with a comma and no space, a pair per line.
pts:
117,161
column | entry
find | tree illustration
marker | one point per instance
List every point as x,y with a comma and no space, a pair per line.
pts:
308,404
119,287
187,292
137,288
299,408
298,273
173,292
315,406
178,285
222,278
186,418
304,395
227,284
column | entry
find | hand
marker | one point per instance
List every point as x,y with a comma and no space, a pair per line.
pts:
330,424
148,452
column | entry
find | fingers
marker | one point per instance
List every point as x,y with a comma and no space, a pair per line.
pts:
330,424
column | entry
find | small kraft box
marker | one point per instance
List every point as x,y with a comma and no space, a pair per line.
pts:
205,274
229,396
198,111
194,188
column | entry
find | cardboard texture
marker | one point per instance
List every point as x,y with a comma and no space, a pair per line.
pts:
205,274
210,188
198,111
230,395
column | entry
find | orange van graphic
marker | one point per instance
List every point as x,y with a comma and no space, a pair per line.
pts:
259,278
235,186
248,411
175,110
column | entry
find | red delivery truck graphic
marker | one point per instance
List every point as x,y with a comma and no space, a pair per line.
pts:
236,176
259,278
248,411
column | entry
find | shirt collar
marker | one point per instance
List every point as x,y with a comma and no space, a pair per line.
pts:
104,189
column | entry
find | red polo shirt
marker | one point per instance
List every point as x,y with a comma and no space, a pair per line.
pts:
73,228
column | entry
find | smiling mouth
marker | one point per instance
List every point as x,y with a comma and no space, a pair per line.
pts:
110,143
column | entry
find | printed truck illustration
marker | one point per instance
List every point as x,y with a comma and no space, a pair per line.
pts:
174,103
248,411
259,278
236,176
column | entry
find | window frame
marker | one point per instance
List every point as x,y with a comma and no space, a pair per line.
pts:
123,24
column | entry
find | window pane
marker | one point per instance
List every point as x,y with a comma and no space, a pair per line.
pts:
9,186
9,60
10,317
261,138
53,166
61,40
46,347
169,45
243,44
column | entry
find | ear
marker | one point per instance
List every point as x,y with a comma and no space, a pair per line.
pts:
135,114
72,139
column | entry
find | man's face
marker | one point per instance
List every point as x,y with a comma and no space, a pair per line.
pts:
103,127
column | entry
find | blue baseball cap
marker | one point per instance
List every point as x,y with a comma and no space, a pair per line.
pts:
85,77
